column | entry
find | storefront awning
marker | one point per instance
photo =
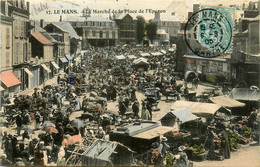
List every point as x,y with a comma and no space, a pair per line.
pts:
9,79
1,88
55,65
45,68
63,60
28,72
68,57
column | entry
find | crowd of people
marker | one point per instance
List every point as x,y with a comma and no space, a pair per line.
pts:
86,88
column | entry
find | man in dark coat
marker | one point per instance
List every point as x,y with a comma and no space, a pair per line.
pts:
19,123
135,108
225,145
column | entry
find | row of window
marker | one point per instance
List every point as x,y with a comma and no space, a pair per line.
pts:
128,34
100,34
22,52
93,23
21,28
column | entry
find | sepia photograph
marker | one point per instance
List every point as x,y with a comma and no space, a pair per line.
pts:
130,83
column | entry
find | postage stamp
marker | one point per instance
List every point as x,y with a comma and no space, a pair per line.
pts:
208,32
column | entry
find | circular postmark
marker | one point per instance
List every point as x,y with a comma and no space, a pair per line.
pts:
208,33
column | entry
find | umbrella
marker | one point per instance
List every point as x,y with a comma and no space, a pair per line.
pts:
133,76
74,139
77,123
87,116
47,123
50,129
93,94
76,114
101,99
28,129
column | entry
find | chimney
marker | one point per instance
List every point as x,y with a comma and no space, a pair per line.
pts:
6,8
157,16
28,6
41,23
60,18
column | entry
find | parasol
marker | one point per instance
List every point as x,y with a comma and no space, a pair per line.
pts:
77,123
74,139
48,123
50,129
29,130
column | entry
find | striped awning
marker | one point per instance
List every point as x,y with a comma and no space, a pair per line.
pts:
28,72
45,68
55,65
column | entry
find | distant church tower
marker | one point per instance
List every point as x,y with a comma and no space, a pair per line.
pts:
86,12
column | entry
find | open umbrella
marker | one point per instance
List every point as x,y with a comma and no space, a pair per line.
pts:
50,129
93,94
29,130
77,123
48,123
74,139
87,115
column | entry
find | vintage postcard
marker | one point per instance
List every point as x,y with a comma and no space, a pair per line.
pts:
130,83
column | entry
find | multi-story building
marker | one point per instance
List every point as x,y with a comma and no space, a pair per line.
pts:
246,47
169,23
95,31
43,52
18,49
127,28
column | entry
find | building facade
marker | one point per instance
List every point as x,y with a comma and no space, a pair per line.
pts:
95,31
17,49
167,22
127,29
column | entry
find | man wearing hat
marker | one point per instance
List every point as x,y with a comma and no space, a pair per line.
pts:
135,108
182,159
163,147
19,122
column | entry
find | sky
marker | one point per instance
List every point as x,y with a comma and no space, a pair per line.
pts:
181,8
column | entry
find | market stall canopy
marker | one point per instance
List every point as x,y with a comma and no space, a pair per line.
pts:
171,49
197,108
152,133
226,101
131,56
163,51
99,153
140,61
245,94
120,57
156,53
9,79
182,115
145,54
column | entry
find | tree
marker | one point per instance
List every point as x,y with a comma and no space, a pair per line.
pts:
140,28
151,29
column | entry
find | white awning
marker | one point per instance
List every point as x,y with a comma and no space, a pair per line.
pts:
156,54
55,65
28,72
145,54
1,88
45,68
